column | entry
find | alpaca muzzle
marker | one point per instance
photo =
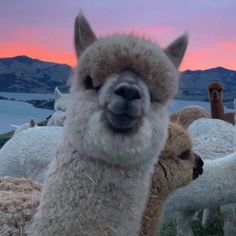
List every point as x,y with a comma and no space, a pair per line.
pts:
124,110
198,168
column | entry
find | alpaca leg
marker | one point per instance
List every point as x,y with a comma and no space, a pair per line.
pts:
184,220
229,212
208,215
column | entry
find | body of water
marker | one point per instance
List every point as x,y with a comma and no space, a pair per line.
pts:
15,112
26,96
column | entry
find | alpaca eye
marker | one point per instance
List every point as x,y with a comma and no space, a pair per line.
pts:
90,85
185,155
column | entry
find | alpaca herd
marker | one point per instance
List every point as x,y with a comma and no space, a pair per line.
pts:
109,160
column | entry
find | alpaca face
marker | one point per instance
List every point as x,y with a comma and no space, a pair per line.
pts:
181,164
61,101
118,112
215,91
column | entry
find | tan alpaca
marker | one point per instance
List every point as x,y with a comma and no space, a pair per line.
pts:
98,183
216,95
188,114
177,166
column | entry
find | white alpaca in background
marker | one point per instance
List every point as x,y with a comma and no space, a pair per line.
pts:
29,153
115,129
60,105
19,128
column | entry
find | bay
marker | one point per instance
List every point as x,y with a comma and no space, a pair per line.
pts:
18,112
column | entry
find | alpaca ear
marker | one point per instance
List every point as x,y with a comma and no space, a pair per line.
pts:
83,34
57,93
176,50
32,123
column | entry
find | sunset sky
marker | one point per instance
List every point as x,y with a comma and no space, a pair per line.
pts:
44,29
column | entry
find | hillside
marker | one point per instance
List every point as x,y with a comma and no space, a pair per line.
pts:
193,84
24,74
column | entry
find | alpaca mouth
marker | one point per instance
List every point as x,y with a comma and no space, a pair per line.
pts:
121,122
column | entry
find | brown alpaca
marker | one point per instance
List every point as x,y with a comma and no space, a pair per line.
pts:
188,114
177,167
216,95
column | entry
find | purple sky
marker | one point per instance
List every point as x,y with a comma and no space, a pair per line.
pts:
44,29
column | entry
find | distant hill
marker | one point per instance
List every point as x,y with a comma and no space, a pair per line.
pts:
194,83
24,74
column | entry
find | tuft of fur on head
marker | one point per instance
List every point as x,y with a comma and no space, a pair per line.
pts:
105,63
177,167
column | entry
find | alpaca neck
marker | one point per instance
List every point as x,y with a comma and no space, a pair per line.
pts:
91,197
217,110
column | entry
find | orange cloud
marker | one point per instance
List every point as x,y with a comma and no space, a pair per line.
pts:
39,52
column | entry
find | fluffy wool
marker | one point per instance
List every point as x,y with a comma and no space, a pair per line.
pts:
98,182
212,138
29,153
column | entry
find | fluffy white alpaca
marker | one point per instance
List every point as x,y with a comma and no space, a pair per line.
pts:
99,181
60,105
24,126
29,153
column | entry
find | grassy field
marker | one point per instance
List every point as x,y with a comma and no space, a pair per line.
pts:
215,228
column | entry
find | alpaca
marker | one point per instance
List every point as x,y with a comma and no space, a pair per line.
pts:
177,166
60,106
29,153
19,199
19,128
211,139
216,94
115,129
188,114
195,196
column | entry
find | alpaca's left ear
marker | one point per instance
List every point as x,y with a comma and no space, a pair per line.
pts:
176,50
83,34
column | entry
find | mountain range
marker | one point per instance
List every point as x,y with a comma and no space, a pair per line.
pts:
28,75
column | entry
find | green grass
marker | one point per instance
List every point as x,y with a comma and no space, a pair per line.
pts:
215,228
5,137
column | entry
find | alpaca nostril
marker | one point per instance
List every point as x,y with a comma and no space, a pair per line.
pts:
128,91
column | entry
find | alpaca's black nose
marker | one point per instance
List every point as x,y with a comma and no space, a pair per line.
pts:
128,91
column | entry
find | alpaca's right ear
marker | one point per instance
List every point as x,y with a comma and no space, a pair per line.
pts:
83,34
57,93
